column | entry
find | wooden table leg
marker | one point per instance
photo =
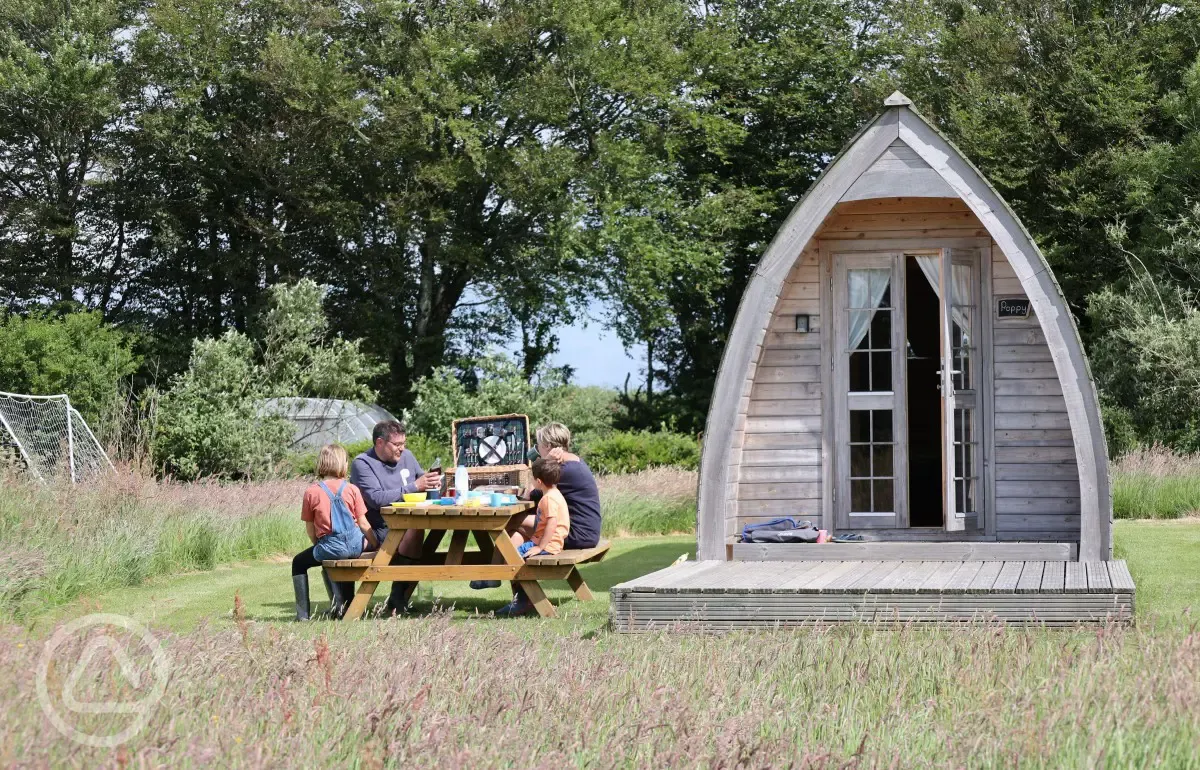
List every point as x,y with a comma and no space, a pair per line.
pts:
458,544
532,589
537,597
484,541
575,580
383,557
433,539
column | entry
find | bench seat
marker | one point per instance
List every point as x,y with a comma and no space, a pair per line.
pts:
577,556
362,561
559,566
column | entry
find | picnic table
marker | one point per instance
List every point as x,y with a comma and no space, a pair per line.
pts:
490,527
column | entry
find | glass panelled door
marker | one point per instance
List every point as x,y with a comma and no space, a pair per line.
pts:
960,378
869,391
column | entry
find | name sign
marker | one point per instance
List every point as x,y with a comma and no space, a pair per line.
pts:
1012,308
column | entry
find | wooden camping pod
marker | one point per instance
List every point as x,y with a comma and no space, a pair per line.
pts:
1033,466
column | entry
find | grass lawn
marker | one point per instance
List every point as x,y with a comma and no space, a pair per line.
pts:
249,689
1163,555
265,588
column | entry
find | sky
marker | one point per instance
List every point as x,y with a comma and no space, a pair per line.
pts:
595,353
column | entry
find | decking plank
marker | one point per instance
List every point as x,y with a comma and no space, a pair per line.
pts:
843,582
763,595
893,581
1052,577
650,581
986,577
1075,579
867,580
1010,573
1118,572
1031,577
799,573
819,583
942,573
1097,576
914,579
966,572
672,583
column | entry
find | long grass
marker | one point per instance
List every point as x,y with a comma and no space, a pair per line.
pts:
435,693
58,543
659,501
1156,483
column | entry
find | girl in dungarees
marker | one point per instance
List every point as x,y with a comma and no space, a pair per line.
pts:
335,516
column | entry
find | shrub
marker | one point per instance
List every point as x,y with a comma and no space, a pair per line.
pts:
212,422
73,353
633,451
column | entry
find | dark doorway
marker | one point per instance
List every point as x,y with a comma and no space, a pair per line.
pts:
922,316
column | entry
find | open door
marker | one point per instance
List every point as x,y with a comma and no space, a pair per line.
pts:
960,397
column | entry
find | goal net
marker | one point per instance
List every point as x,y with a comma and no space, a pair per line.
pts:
48,437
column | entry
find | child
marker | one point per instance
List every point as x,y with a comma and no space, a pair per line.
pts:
550,529
336,521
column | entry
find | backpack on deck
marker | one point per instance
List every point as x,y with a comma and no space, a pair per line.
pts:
784,530
345,539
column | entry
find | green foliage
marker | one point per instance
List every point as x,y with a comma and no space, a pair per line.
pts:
213,421
502,388
1147,362
74,353
633,451
299,357
427,450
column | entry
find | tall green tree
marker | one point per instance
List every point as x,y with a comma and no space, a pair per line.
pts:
66,82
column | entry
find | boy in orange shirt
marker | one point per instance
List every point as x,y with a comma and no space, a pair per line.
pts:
336,522
549,532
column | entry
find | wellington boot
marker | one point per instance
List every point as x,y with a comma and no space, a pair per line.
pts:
300,586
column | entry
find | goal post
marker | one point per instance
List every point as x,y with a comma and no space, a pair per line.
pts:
50,437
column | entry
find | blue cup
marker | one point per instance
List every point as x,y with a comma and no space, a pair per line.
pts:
497,500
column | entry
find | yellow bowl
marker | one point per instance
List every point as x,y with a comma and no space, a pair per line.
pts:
415,497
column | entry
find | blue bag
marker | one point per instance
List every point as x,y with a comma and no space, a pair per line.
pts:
345,538
748,531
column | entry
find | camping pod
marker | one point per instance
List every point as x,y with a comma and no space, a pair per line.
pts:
903,367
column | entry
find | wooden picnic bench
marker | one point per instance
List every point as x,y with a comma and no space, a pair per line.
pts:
490,528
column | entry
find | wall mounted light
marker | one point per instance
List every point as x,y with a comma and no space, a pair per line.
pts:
802,323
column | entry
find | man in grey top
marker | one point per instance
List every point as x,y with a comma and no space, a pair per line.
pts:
384,474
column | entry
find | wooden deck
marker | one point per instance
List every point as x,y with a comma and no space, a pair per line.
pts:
722,595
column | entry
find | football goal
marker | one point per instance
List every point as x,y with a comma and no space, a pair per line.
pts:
49,438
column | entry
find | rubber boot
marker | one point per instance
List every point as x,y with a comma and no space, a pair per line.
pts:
397,602
340,594
300,586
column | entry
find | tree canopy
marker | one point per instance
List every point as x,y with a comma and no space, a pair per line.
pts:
457,173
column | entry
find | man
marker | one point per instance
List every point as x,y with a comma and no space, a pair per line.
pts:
578,486
384,474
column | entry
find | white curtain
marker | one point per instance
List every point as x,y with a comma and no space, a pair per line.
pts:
961,278
867,288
